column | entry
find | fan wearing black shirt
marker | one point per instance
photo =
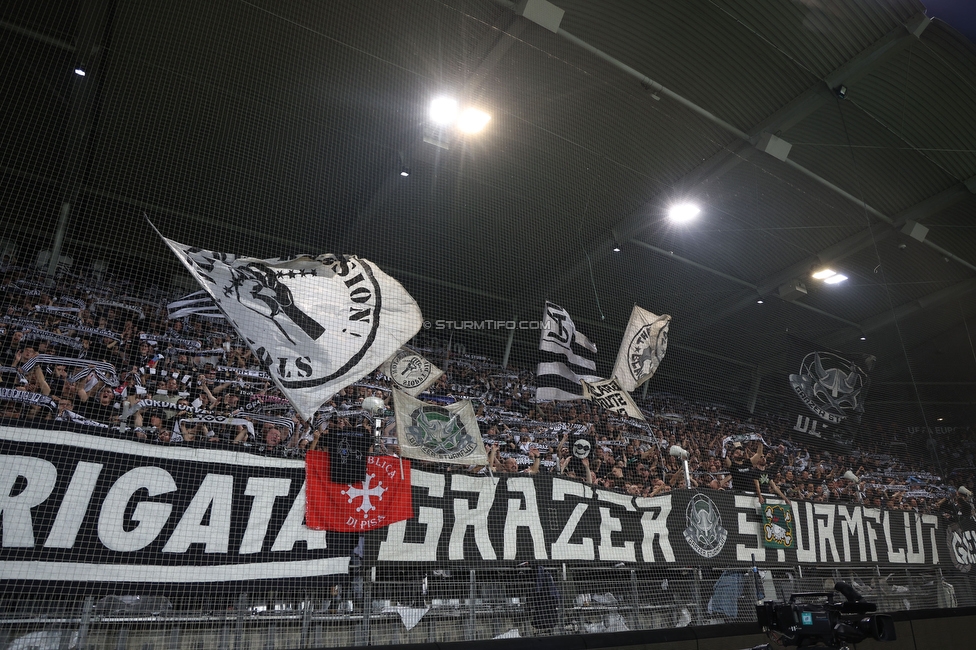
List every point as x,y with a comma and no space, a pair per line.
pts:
102,409
740,469
763,478
956,509
349,449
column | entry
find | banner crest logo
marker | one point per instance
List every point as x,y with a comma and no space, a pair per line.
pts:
829,385
778,526
408,369
704,534
439,433
646,350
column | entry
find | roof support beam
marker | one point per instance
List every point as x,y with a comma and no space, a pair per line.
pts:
905,310
782,120
839,251
901,312
37,36
731,278
794,112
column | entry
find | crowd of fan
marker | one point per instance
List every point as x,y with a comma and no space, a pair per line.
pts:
88,355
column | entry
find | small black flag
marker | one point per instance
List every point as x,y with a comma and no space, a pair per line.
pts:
348,455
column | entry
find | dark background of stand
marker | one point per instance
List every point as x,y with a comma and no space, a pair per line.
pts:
933,629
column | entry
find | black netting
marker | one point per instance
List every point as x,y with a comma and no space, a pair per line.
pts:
160,400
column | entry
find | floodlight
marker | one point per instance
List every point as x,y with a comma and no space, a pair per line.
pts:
404,171
471,120
443,110
759,302
80,71
837,278
683,212
823,274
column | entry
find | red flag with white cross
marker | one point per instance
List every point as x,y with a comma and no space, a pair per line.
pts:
382,498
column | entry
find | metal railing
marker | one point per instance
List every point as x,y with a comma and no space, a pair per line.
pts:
391,607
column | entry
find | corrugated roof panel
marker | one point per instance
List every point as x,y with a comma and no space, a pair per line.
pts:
684,46
850,149
926,96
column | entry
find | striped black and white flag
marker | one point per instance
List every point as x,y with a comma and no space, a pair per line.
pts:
558,378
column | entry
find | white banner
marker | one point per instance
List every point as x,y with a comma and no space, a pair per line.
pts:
410,371
609,395
316,323
443,434
642,348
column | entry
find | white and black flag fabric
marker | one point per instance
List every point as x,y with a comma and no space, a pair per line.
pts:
571,362
608,394
642,348
316,323
442,434
410,371
197,303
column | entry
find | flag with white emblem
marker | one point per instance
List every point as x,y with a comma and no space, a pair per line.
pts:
642,348
382,497
442,434
317,324
410,371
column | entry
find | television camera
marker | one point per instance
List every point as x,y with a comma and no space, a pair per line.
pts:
827,623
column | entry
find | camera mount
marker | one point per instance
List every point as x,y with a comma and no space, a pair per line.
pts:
825,622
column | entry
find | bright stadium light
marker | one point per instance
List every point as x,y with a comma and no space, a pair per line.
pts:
683,212
823,274
836,278
472,120
80,71
443,110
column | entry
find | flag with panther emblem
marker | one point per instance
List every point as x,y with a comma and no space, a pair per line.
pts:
317,324
438,433
642,348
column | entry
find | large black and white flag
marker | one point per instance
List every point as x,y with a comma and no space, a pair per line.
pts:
557,379
410,371
643,346
316,323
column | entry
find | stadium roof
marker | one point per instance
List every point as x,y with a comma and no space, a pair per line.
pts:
810,132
